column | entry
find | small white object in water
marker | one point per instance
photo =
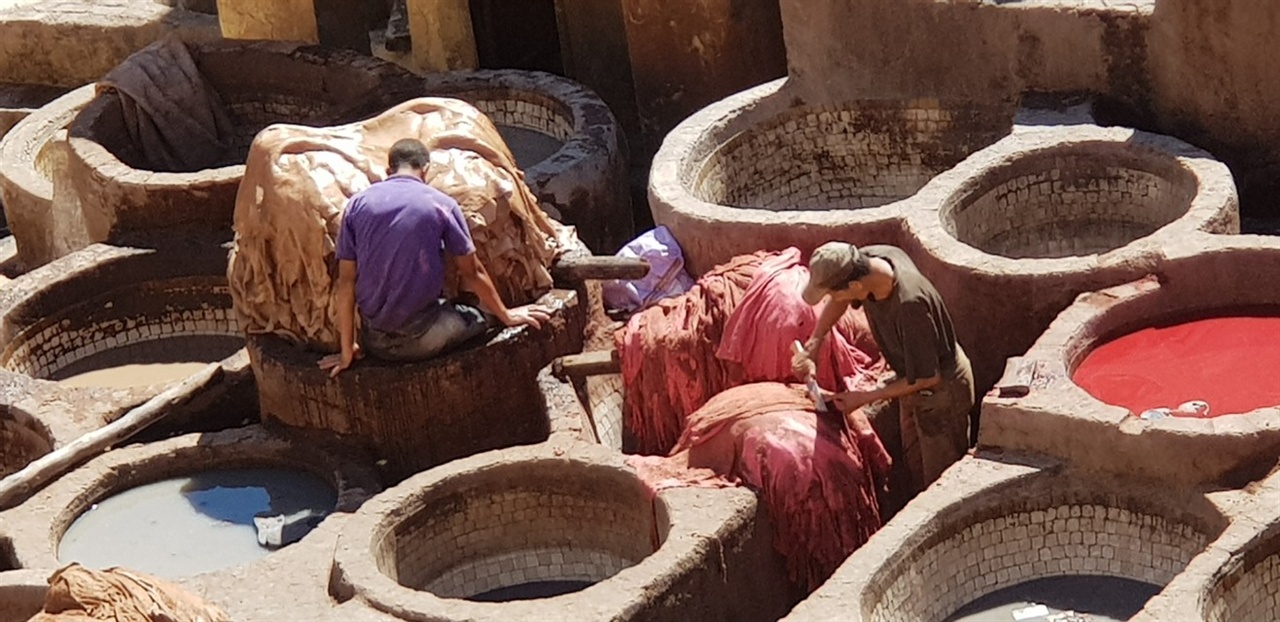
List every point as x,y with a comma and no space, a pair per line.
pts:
1193,408
1155,413
1027,613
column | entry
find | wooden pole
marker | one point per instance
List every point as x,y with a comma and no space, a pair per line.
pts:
594,363
17,487
599,268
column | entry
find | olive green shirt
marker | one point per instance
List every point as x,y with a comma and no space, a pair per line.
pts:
911,326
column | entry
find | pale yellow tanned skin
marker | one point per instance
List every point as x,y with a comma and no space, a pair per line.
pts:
879,282
474,278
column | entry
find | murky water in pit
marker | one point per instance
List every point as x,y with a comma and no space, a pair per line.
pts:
185,526
136,375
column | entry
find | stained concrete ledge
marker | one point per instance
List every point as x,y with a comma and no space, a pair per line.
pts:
1199,274
34,37
1000,304
1023,517
713,562
22,594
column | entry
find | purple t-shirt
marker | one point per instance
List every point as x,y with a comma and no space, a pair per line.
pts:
397,232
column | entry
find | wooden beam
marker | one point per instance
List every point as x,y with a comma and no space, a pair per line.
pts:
598,268
17,487
593,363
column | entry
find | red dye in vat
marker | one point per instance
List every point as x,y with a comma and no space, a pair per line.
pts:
1229,362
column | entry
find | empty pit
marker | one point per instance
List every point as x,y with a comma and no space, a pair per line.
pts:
1071,200
757,170
190,505
535,530
845,156
559,531
1070,546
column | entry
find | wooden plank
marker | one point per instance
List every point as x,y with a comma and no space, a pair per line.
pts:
17,487
593,363
598,268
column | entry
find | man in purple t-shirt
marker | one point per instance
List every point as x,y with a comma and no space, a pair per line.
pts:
391,268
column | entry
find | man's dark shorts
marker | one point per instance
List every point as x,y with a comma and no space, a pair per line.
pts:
431,332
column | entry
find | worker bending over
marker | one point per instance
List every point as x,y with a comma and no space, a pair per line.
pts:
909,321
391,264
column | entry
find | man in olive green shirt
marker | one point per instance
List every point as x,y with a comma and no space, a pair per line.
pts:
909,321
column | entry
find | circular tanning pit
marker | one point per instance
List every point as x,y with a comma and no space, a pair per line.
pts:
128,180
1074,199
849,155
565,140
122,318
757,171
524,531
1014,233
1203,330
1038,540
191,504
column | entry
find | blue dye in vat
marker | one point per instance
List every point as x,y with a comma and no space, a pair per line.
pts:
185,526
531,591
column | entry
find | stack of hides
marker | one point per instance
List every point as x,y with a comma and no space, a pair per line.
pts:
77,594
297,182
703,376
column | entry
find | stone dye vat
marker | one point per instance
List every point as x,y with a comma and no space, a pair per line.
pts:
555,532
125,175
29,159
186,505
121,318
756,171
1202,277
1012,234
1243,588
104,329
564,138
21,594
988,526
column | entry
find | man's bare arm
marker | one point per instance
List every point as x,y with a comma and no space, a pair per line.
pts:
475,278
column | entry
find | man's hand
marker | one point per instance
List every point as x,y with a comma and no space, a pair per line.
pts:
802,365
528,315
335,363
850,401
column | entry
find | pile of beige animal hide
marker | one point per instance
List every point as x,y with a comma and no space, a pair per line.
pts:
77,594
296,184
